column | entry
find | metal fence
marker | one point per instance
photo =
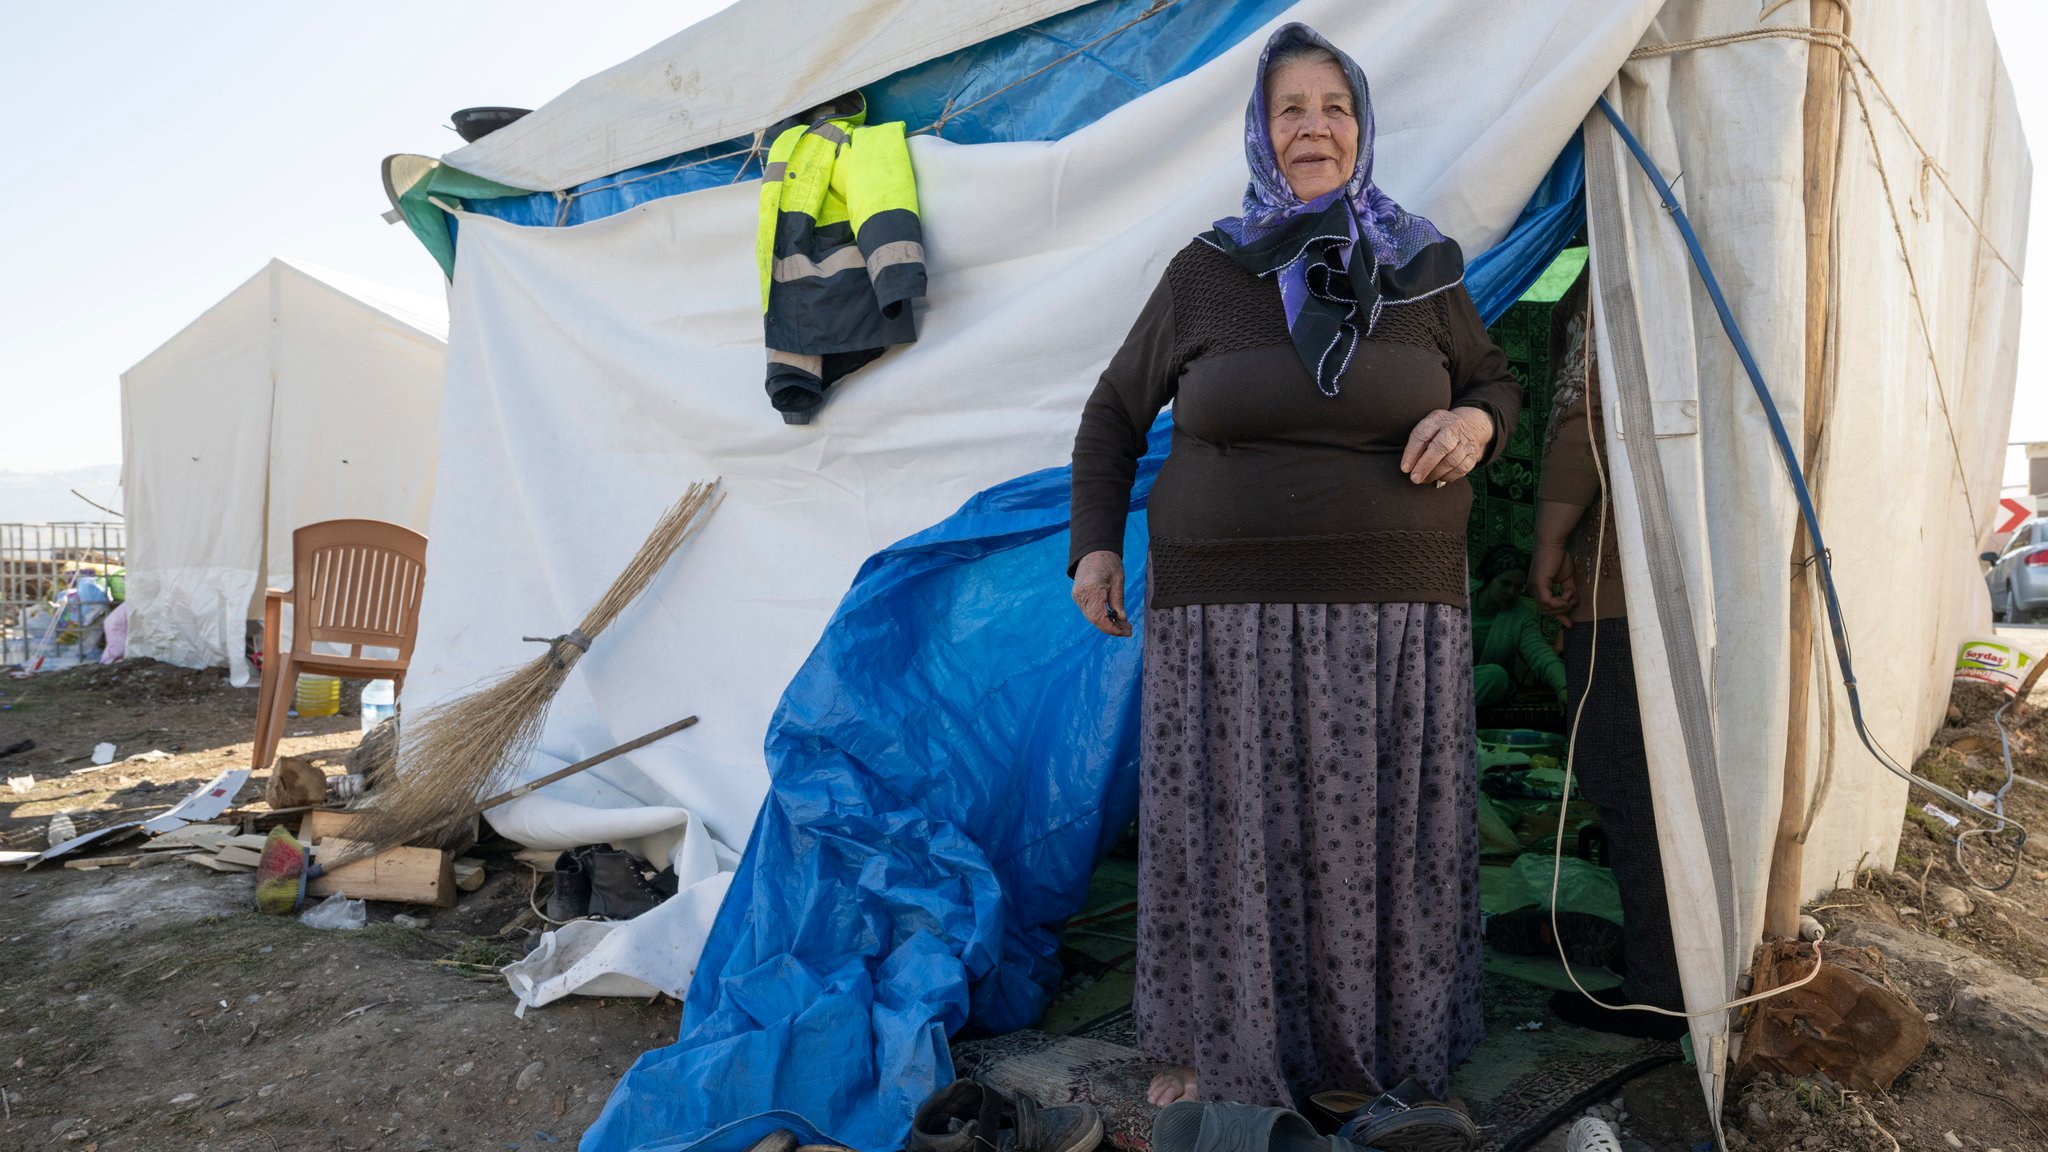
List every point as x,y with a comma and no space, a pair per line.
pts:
38,563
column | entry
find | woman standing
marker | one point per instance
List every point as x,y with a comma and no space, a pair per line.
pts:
1309,885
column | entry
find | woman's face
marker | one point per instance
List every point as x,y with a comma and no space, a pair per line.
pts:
1314,125
1501,591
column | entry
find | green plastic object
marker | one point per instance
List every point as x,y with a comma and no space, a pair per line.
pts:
414,182
1557,279
1581,886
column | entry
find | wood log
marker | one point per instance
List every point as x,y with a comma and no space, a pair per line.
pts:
1850,1022
401,875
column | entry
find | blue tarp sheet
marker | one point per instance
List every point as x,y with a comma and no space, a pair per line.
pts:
946,770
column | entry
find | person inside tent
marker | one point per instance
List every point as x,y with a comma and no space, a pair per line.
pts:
1509,648
1308,912
1575,574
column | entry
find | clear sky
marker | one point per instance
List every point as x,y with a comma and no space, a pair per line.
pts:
160,154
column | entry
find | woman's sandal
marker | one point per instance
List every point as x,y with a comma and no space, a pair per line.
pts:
1213,1126
1407,1119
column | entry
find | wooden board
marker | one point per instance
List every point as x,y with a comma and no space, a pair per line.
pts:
403,875
206,861
234,854
322,822
100,862
207,836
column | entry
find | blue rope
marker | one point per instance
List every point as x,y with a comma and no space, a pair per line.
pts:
1823,561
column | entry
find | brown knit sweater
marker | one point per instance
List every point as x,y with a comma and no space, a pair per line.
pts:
1273,492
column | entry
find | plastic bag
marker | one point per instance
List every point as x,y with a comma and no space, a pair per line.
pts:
1581,886
337,911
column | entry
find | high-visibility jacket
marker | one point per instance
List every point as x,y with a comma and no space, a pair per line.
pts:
841,255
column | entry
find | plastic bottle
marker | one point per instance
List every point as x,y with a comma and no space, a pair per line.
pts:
380,702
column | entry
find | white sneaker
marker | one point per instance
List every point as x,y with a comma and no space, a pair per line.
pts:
1592,1134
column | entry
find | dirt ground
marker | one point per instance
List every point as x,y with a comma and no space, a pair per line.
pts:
152,1008
148,1008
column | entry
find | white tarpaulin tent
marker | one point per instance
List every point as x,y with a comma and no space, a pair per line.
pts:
304,395
607,364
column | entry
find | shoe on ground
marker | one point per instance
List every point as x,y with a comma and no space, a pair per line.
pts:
1592,1134
1188,1125
780,1140
1409,1119
569,899
623,885
965,1114
1596,1015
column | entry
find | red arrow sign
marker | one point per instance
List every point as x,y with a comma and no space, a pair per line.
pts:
2016,514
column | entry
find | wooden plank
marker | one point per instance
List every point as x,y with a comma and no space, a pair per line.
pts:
248,840
322,822
206,861
100,862
207,836
235,854
403,875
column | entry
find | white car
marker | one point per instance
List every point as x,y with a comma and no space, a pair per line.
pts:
2018,577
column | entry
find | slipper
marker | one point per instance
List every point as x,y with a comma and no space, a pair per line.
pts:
1406,1119
1215,1126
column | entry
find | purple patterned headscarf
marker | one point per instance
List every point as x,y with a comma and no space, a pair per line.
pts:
1341,257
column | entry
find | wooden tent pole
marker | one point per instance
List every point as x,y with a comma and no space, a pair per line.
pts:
1822,148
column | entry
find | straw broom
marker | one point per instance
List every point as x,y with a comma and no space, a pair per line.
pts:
464,748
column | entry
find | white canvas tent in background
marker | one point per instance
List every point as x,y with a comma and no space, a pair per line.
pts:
304,395
607,364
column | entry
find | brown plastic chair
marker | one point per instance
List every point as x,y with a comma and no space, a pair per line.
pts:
354,582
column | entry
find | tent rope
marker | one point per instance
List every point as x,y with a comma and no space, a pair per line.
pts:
1839,41
1829,38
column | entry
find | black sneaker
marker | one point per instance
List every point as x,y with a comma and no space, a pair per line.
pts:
570,897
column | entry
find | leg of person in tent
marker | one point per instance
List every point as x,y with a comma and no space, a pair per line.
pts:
1613,772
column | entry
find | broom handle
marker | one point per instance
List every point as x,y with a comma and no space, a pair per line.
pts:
580,765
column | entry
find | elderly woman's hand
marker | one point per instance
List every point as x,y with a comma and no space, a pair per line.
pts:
1446,444
1099,591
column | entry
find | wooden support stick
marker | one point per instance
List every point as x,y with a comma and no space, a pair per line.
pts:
1823,118
581,765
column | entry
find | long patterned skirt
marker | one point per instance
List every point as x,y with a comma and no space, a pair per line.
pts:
1308,901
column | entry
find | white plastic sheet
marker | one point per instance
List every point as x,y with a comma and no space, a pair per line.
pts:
1897,497
729,75
656,951
600,368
